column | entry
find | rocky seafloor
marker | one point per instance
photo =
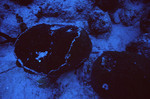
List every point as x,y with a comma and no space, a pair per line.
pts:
74,49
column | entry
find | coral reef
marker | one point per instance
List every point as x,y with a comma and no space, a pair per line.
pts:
56,43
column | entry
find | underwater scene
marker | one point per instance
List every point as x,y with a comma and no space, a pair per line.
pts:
74,49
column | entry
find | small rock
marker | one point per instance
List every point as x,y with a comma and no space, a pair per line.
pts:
116,76
99,22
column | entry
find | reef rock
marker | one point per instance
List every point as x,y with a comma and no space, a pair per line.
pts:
99,22
10,26
115,16
140,46
121,75
145,22
23,2
131,13
65,9
52,49
107,5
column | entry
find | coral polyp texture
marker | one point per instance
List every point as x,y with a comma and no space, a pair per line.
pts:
52,49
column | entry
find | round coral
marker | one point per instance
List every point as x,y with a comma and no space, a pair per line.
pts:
52,49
